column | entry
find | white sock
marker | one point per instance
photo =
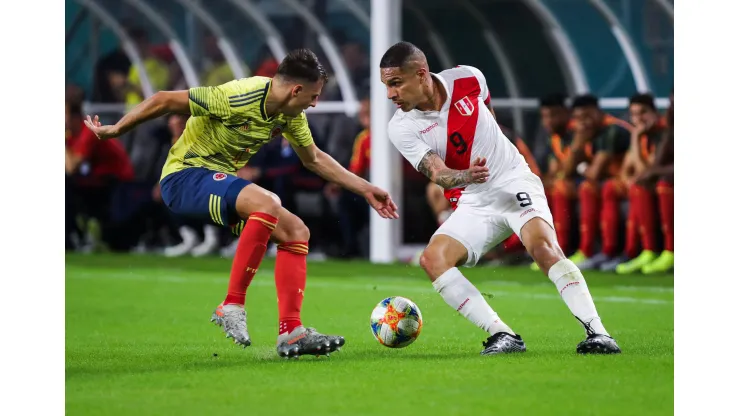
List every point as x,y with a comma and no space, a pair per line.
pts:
573,289
465,298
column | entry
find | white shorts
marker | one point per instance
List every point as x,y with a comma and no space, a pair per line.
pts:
483,220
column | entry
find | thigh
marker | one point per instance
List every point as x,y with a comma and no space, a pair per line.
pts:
472,227
203,194
520,201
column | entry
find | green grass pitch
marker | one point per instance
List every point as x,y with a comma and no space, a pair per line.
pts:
138,342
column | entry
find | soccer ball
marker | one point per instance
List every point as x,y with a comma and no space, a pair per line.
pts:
396,322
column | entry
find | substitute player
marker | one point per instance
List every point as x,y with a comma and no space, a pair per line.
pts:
441,127
559,182
606,139
648,130
229,124
655,179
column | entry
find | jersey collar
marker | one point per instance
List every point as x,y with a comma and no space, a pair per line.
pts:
263,110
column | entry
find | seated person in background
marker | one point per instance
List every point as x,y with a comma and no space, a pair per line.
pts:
649,128
656,178
559,184
607,139
94,169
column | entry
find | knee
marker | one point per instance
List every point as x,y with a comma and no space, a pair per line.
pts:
434,261
562,188
270,204
610,190
544,250
587,189
293,229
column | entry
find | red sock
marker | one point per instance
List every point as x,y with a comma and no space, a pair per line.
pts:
290,282
665,204
612,194
561,209
249,253
512,244
646,221
588,194
632,243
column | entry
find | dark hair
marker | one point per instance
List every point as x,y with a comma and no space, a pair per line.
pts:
585,100
399,55
553,100
75,107
302,65
645,99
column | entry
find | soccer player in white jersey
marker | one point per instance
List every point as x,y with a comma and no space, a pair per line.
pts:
443,129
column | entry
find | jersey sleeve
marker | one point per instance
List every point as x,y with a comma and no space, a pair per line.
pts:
210,102
613,140
484,92
408,143
297,131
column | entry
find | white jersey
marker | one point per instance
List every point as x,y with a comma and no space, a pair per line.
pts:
461,131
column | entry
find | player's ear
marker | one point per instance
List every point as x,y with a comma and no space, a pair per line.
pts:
421,74
296,89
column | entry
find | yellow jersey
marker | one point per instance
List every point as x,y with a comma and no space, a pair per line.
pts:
229,124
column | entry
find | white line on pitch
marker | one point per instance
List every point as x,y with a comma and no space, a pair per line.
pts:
375,286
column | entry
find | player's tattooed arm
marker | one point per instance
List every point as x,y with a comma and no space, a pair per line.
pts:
433,167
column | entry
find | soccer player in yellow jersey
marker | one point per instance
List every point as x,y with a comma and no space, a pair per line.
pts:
229,124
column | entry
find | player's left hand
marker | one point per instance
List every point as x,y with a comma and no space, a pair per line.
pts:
101,131
381,202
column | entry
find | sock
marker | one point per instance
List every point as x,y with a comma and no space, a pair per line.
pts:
646,221
589,200
611,195
665,204
561,209
632,238
573,289
290,282
249,253
465,298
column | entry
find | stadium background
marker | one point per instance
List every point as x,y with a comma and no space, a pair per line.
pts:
525,48
136,331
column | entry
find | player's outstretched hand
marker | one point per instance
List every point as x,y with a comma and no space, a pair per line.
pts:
103,132
381,202
478,172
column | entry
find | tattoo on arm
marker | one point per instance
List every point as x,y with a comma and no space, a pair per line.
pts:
433,167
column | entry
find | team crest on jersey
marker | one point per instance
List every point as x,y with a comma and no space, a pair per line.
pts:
276,131
465,106
219,176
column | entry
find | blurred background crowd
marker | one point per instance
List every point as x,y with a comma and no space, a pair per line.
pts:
606,162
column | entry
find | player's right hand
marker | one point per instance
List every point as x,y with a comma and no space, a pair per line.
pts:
381,202
101,131
478,172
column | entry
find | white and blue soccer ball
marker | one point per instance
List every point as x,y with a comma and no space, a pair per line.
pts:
396,322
